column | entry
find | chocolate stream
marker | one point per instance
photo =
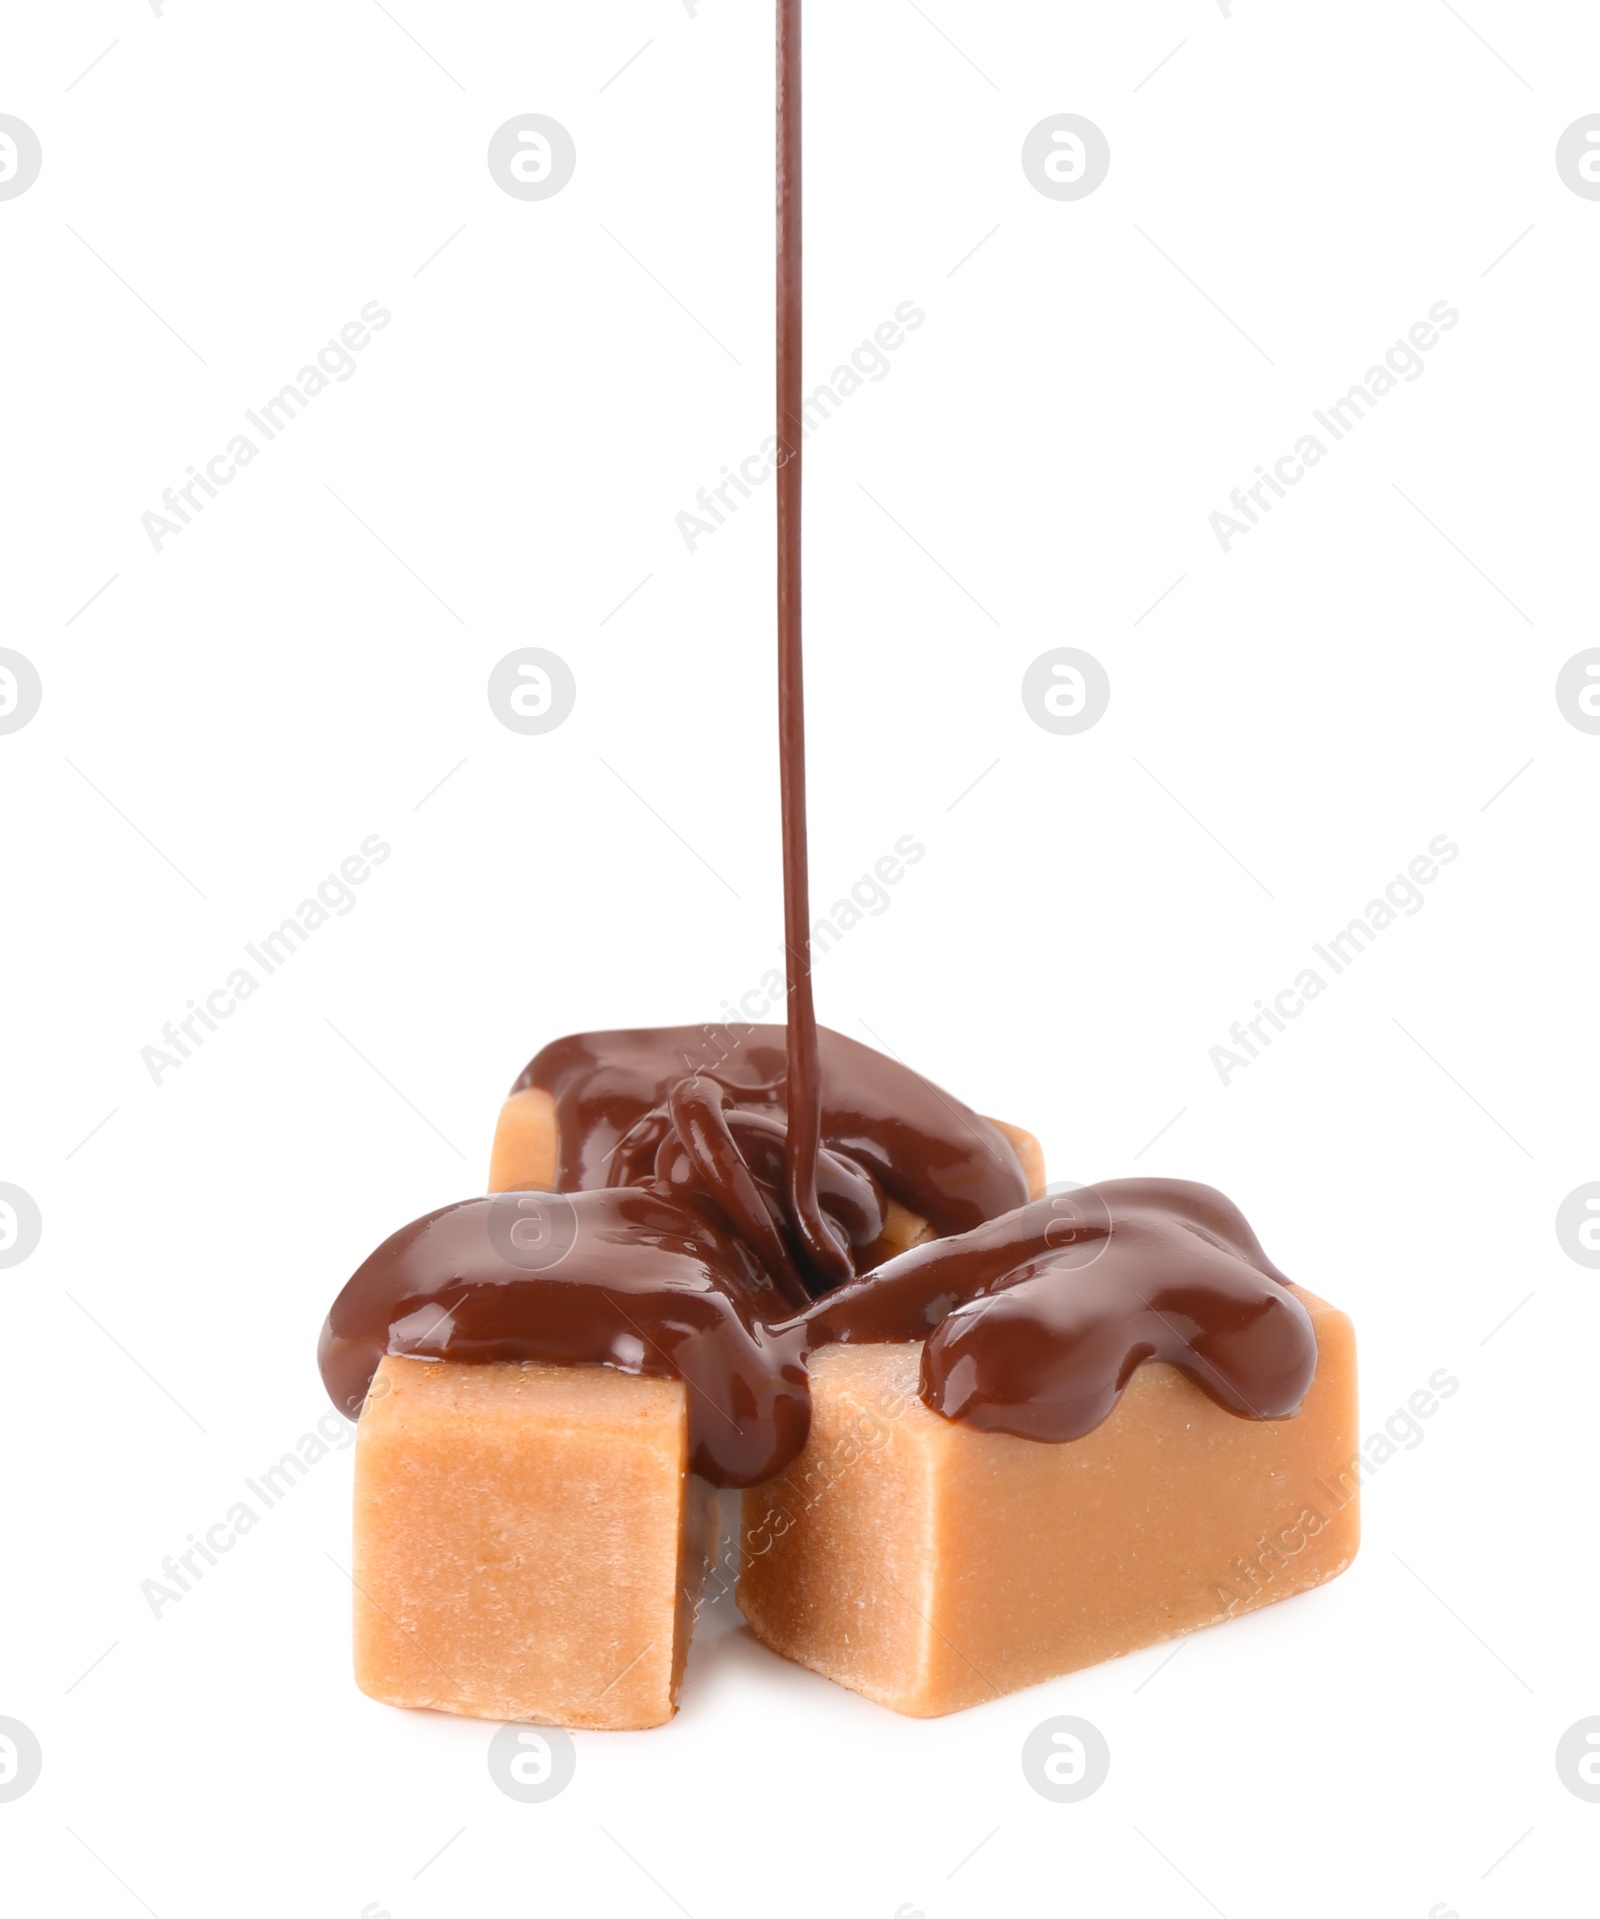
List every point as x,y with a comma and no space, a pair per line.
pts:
828,1260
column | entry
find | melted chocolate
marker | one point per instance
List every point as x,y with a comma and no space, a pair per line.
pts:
905,1136
712,1191
1033,1323
826,1260
635,1280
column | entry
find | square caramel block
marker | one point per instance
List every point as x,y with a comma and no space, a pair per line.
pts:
529,1542
931,1566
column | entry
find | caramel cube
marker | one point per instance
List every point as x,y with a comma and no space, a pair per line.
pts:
529,1542
931,1566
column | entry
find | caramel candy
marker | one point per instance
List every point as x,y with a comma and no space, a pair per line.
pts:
931,1566
529,1542
523,1157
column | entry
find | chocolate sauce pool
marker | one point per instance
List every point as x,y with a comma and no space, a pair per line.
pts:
722,1194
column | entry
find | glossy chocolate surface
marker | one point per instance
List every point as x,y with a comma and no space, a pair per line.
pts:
1035,1322
914,1141
631,1279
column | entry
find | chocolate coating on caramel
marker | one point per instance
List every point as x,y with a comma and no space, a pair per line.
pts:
879,1120
632,1279
670,1248
1035,1322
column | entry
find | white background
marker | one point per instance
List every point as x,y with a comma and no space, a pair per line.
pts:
1289,726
